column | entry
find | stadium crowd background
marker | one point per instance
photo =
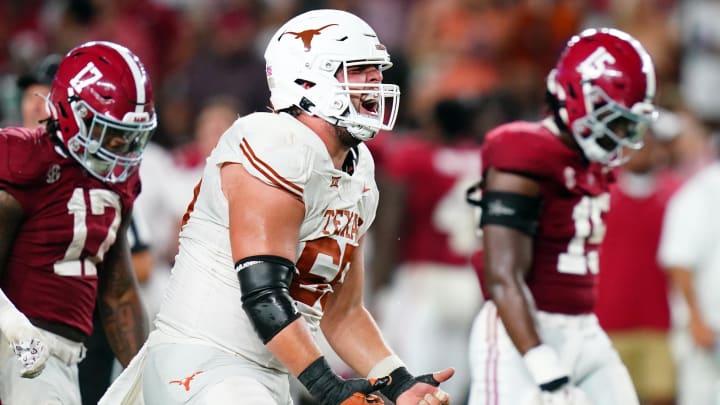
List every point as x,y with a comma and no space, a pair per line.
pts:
489,56
485,49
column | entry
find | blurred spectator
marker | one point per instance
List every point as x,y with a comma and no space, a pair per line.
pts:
539,31
690,251
226,61
654,23
700,63
453,49
422,239
158,204
633,302
22,39
34,87
214,118
168,182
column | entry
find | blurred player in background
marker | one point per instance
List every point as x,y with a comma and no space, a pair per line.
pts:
34,87
283,205
66,195
544,198
633,304
690,252
423,238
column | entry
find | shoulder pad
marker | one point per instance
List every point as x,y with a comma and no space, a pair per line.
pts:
23,152
525,148
276,150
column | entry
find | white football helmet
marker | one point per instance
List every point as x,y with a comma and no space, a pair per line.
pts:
310,49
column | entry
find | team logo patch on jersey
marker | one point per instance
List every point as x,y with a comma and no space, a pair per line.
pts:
53,174
335,181
185,382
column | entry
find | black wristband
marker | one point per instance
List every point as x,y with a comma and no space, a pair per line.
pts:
555,384
329,389
319,378
400,381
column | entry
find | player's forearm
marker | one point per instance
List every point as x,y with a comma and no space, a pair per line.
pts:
125,325
514,305
294,346
5,303
682,279
11,214
9,314
356,338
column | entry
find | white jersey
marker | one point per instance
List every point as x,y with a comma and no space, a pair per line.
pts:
691,238
203,301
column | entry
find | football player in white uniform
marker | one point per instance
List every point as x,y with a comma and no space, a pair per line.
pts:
271,249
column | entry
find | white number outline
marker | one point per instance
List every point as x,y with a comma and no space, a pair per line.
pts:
71,265
79,82
327,258
590,228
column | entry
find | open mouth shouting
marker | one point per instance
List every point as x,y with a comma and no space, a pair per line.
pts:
369,104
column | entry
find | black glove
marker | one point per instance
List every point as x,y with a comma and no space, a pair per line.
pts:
401,380
325,386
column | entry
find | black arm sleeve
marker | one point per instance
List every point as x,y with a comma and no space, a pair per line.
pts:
517,211
264,284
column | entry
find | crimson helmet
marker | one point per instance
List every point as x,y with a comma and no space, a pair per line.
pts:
102,102
604,85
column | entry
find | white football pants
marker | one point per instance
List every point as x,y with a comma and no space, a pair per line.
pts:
499,375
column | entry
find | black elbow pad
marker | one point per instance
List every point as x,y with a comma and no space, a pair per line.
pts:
265,287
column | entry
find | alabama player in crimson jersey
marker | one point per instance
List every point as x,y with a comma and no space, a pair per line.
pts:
66,195
544,198
271,249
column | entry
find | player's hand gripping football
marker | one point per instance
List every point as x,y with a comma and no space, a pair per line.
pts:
26,341
325,386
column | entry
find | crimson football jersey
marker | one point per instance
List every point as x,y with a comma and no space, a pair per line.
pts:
575,198
436,215
633,288
70,220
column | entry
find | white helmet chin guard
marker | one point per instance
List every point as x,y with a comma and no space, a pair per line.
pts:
303,58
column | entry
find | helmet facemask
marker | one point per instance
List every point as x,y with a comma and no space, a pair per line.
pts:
109,149
598,132
378,104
